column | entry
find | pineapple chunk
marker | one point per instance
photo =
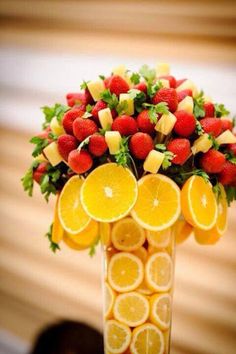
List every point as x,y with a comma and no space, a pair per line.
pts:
207,98
188,84
52,154
96,88
113,140
105,118
153,161
120,70
202,144
186,104
166,123
165,83
130,103
56,127
162,69
227,137
41,158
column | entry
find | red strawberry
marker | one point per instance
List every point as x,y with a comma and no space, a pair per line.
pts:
40,171
88,99
181,150
212,161
167,95
171,79
227,176
66,143
97,145
82,128
140,145
226,124
98,107
179,82
69,117
142,86
184,93
124,124
118,85
144,123
80,161
209,109
44,134
232,148
185,124
106,81
75,98
211,125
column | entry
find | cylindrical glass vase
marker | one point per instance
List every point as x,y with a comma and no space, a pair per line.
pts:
138,288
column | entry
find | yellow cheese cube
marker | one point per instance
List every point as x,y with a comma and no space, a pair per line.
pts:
153,161
227,137
186,104
166,123
56,127
113,140
52,154
105,118
96,88
130,103
120,70
202,144
165,83
162,69
188,84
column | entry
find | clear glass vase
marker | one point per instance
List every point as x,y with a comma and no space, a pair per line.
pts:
138,287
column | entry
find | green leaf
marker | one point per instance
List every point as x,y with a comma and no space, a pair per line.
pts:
58,110
215,145
139,98
199,130
198,105
89,108
121,107
154,110
123,156
147,73
153,88
217,191
27,179
40,144
109,98
102,77
231,157
160,147
49,181
220,110
230,194
167,159
84,85
92,250
53,246
135,78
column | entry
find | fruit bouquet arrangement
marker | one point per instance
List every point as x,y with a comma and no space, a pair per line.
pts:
138,161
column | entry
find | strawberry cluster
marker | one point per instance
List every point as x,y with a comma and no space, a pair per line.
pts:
146,120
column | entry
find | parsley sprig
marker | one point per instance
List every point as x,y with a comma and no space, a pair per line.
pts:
123,156
139,98
168,155
215,145
153,88
198,105
230,194
220,110
92,250
135,78
155,109
40,144
27,179
53,246
110,98
147,73
58,110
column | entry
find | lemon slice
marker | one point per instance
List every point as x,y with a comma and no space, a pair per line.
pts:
141,253
117,337
182,231
158,203
158,272
70,211
109,300
127,235
210,237
199,203
147,339
105,233
125,272
87,237
160,313
159,239
57,229
109,192
131,309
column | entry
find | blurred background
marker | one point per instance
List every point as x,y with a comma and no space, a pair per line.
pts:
47,49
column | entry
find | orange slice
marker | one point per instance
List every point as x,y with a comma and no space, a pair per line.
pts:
182,230
109,192
70,211
57,229
87,237
158,203
199,203
105,233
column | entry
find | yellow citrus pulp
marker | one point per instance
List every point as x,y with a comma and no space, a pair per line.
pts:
147,338
159,239
87,237
127,235
109,300
105,233
158,203
158,272
199,203
72,216
109,192
213,235
160,313
125,272
57,229
141,253
182,230
117,337
131,309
